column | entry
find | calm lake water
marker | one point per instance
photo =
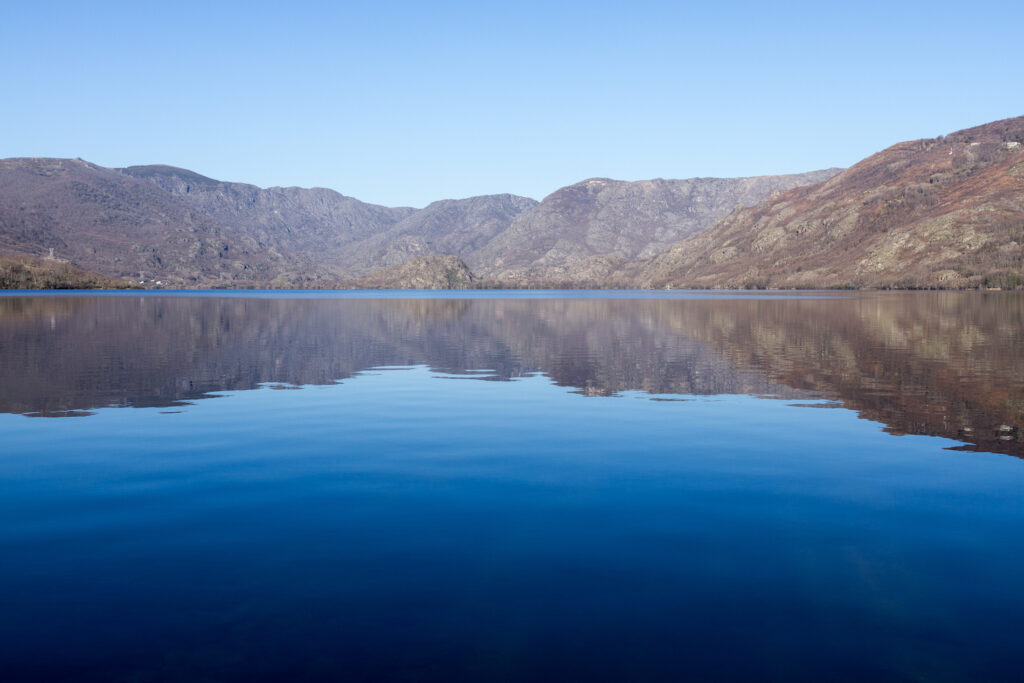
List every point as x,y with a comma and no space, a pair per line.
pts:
524,486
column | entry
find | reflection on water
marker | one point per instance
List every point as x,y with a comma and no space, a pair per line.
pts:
947,364
508,489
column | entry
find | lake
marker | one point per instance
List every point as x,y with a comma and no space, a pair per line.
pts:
250,486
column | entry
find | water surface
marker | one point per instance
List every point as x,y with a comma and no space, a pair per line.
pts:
510,487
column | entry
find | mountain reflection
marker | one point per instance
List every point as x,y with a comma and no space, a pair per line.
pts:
946,364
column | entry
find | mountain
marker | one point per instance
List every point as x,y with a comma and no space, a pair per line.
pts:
458,227
119,226
332,235
946,211
577,234
581,231
939,212
171,224
317,228
167,224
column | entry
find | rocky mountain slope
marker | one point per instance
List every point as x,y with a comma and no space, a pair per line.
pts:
579,231
317,228
946,211
119,226
160,223
457,227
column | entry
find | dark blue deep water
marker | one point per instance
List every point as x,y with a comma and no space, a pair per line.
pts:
328,487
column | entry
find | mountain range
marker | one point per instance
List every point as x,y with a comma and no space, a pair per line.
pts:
940,212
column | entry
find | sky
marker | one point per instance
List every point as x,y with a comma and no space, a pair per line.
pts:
404,103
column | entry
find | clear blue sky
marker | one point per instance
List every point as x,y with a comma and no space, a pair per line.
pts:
402,103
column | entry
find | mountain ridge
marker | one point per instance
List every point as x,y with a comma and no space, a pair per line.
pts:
160,222
944,212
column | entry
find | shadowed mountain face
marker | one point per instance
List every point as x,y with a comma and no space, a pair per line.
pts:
939,212
946,364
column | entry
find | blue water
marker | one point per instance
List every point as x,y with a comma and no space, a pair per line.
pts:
412,523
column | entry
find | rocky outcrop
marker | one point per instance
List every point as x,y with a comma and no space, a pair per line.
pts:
424,272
